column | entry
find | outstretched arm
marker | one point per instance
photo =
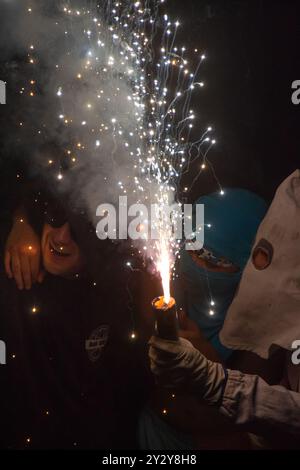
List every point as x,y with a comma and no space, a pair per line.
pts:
246,399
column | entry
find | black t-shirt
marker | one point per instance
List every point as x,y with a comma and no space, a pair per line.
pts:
73,378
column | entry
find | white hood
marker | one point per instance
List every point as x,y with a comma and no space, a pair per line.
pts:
266,309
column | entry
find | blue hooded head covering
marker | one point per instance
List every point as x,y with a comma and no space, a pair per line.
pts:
231,222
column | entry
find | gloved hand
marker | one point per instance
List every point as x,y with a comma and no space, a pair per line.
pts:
179,364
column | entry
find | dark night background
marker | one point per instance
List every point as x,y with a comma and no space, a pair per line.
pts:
252,59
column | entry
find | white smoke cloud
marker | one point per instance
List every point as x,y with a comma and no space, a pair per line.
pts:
89,79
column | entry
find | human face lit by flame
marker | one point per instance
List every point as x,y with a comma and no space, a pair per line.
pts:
61,254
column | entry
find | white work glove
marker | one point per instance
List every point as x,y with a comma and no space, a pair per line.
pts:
178,364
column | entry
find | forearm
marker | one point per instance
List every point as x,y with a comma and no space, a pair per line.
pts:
250,402
247,400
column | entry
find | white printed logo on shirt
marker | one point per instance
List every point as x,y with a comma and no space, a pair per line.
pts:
97,342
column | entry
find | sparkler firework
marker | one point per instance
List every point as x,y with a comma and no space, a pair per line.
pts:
119,92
